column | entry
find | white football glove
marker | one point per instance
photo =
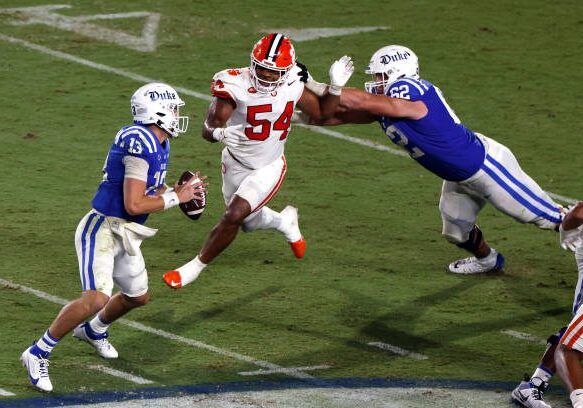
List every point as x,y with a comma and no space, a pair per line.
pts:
220,134
570,239
340,72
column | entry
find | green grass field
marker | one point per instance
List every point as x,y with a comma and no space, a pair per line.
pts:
375,268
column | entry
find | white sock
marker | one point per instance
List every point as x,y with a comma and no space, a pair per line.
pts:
489,259
577,398
98,325
265,218
543,373
191,270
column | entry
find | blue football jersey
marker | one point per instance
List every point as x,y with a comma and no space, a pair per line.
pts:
138,141
438,141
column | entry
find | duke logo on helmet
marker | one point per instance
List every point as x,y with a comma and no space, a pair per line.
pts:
159,104
154,96
386,59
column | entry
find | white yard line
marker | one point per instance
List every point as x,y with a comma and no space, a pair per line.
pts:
524,336
121,374
309,34
5,393
81,25
163,333
141,78
286,370
397,350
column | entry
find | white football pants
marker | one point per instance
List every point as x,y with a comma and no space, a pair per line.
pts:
500,182
103,260
257,187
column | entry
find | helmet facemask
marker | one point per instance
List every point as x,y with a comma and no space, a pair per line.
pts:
171,121
262,84
379,84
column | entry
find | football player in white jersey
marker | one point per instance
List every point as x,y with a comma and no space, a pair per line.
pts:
476,169
564,350
251,115
108,238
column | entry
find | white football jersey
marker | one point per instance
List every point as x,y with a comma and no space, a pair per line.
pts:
266,117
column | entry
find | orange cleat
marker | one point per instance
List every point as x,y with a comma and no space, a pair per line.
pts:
172,279
299,247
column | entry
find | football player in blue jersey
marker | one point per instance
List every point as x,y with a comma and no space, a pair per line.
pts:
476,169
108,238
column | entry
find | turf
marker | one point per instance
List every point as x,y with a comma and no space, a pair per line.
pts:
375,268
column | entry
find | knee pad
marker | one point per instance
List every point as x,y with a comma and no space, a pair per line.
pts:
474,240
454,230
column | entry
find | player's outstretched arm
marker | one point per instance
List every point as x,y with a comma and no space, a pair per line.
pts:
218,113
323,106
353,99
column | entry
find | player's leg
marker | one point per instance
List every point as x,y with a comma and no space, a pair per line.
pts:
92,239
514,192
218,240
259,188
568,358
131,276
244,191
459,210
233,174
530,391
569,368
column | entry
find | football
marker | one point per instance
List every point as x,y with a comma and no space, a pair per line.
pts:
192,209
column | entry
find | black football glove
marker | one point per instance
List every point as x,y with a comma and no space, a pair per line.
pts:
303,74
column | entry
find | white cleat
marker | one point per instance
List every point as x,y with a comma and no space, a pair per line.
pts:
472,265
38,370
528,395
99,341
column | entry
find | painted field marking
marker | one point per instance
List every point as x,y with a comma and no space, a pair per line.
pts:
308,34
284,370
79,24
165,334
5,393
524,336
397,350
141,78
120,374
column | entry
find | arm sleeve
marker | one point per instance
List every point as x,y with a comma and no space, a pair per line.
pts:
136,168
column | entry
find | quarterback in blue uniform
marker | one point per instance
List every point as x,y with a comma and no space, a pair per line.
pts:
476,169
108,238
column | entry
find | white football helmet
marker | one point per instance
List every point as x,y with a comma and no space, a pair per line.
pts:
389,64
159,104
